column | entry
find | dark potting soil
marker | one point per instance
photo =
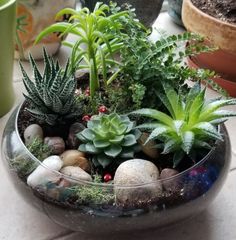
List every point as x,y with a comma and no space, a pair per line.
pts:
224,10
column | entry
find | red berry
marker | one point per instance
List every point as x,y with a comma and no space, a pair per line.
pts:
86,118
107,177
102,109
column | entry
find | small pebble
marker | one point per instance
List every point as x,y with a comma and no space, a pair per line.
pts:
72,141
77,173
42,175
32,132
149,148
171,184
75,158
56,144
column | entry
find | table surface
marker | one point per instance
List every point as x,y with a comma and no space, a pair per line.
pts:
19,221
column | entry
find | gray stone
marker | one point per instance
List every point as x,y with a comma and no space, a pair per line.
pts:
72,141
81,74
56,144
168,182
76,173
135,182
149,148
32,132
43,173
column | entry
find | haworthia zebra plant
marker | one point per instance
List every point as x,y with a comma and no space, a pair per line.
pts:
191,123
51,96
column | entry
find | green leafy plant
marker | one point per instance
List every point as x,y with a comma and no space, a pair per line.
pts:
94,194
98,33
151,63
39,149
52,96
109,137
23,165
191,124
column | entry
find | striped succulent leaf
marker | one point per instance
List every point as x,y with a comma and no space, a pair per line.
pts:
191,123
51,95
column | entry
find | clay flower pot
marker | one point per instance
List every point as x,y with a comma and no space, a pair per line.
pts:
218,33
180,196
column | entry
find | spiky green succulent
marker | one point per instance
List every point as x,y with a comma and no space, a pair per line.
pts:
51,96
191,124
109,137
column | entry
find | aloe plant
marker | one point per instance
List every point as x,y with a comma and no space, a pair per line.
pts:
51,96
98,40
109,137
191,122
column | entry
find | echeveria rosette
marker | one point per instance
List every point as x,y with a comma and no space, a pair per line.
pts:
51,95
109,138
191,123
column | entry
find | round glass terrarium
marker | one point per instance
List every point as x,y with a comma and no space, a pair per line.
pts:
91,207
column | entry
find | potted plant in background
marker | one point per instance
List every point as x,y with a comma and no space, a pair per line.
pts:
215,20
30,24
127,145
147,12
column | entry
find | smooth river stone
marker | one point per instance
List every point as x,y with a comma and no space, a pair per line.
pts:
42,175
76,173
168,182
32,132
136,172
56,144
149,148
75,158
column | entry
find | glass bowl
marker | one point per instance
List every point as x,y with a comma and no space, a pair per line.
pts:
90,207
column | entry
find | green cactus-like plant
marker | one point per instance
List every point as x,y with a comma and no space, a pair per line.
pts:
51,96
109,137
191,123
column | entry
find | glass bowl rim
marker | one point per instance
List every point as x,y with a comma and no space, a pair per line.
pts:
107,185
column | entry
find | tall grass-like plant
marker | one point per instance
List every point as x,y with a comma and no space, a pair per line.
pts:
98,40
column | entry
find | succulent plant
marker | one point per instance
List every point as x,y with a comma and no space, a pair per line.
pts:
51,96
98,40
192,123
109,137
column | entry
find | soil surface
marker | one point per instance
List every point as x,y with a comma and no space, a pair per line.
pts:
224,10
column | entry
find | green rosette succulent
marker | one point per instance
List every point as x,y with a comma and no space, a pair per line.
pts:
109,137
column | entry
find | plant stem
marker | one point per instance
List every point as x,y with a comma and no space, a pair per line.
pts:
94,82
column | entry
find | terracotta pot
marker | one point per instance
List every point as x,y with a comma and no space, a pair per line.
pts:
218,33
228,85
30,22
